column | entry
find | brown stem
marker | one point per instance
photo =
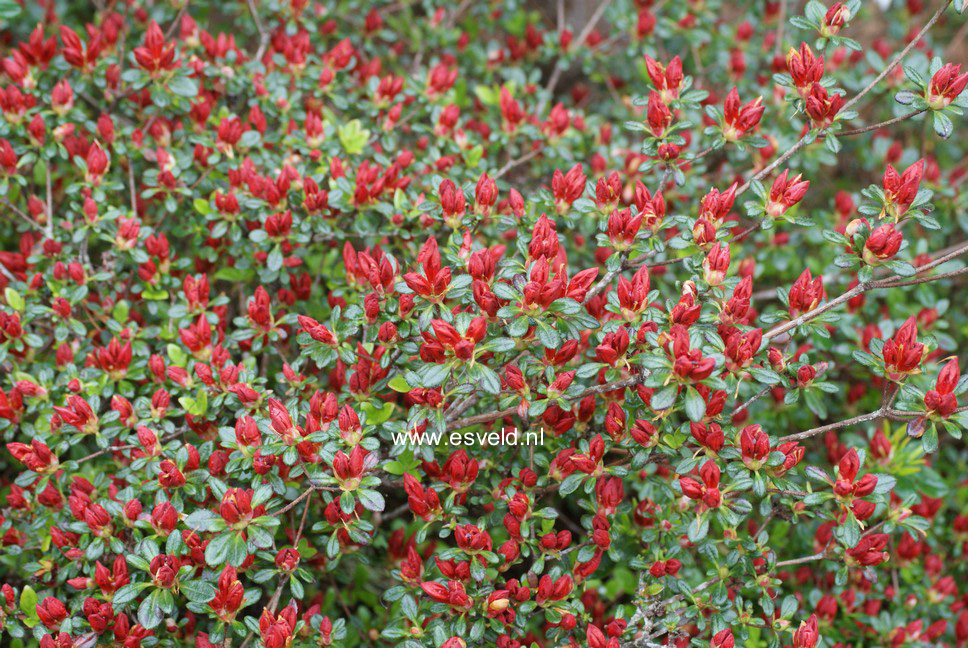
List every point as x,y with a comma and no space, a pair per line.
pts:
131,186
50,204
887,412
890,282
263,34
607,279
517,162
872,127
306,493
578,42
870,86
781,23
800,561
27,219
752,400
493,415
900,56
174,23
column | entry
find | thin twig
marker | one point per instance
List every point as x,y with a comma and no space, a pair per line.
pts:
131,187
16,210
899,57
800,561
921,280
828,279
596,389
457,13
778,48
765,171
517,162
854,420
872,127
779,329
263,34
607,279
890,282
559,65
752,399
174,23
306,493
50,203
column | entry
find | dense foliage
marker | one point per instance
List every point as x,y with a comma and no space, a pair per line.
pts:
483,324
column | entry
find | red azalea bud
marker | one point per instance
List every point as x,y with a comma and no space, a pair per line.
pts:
287,559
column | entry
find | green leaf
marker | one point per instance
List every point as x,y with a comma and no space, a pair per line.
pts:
408,605
149,612
813,499
126,594
176,355
377,415
885,484
433,375
399,384
371,500
698,529
148,549
942,125
14,299
487,96
665,398
489,380
394,467
259,537
237,549
815,401
121,310
217,551
204,520
571,483
353,136
261,495
832,143
233,274
275,259
695,405
201,206
9,9
903,268
548,336
473,156
850,531
183,87
28,601
249,139
332,546
929,441
201,404
346,502
766,376
197,591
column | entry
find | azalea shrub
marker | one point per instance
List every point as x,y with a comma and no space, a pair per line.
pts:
522,324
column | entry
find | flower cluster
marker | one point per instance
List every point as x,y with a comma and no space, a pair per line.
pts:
438,325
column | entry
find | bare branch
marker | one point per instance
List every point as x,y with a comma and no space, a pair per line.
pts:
890,282
263,34
559,65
